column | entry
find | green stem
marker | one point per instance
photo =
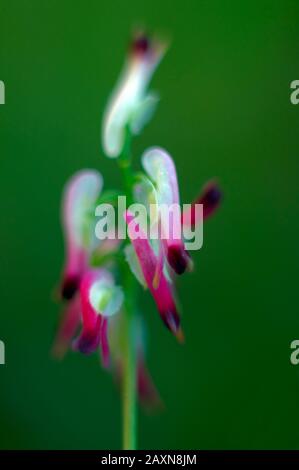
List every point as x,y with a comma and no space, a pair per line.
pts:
129,386
129,377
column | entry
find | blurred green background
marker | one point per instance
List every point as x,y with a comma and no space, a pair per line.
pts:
225,112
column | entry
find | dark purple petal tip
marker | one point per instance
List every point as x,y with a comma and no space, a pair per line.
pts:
210,199
213,195
140,45
88,341
178,258
173,323
69,287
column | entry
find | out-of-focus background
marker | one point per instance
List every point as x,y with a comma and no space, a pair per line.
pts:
225,112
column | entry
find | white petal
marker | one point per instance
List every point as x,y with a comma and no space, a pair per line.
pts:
106,298
160,167
127,97
144,112
80,195
145,193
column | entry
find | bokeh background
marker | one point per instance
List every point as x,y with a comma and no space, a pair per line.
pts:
225,112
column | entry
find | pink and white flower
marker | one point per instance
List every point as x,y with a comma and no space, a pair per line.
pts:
131,105
100,299
162,293
79,199
160,167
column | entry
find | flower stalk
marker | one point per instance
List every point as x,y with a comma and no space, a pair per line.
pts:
129,385
129,388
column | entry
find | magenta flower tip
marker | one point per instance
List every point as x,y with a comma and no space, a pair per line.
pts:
172,320
210,198
69,287
89,340
146,48
140,44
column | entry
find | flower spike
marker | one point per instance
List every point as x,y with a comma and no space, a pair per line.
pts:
159,237
130,104
80,195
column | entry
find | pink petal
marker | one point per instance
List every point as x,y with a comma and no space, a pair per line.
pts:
68,327
90,337
96,283
89,340
75,266
159,266
147,392
104,344
162,294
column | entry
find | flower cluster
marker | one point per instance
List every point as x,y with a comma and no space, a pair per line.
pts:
92,284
